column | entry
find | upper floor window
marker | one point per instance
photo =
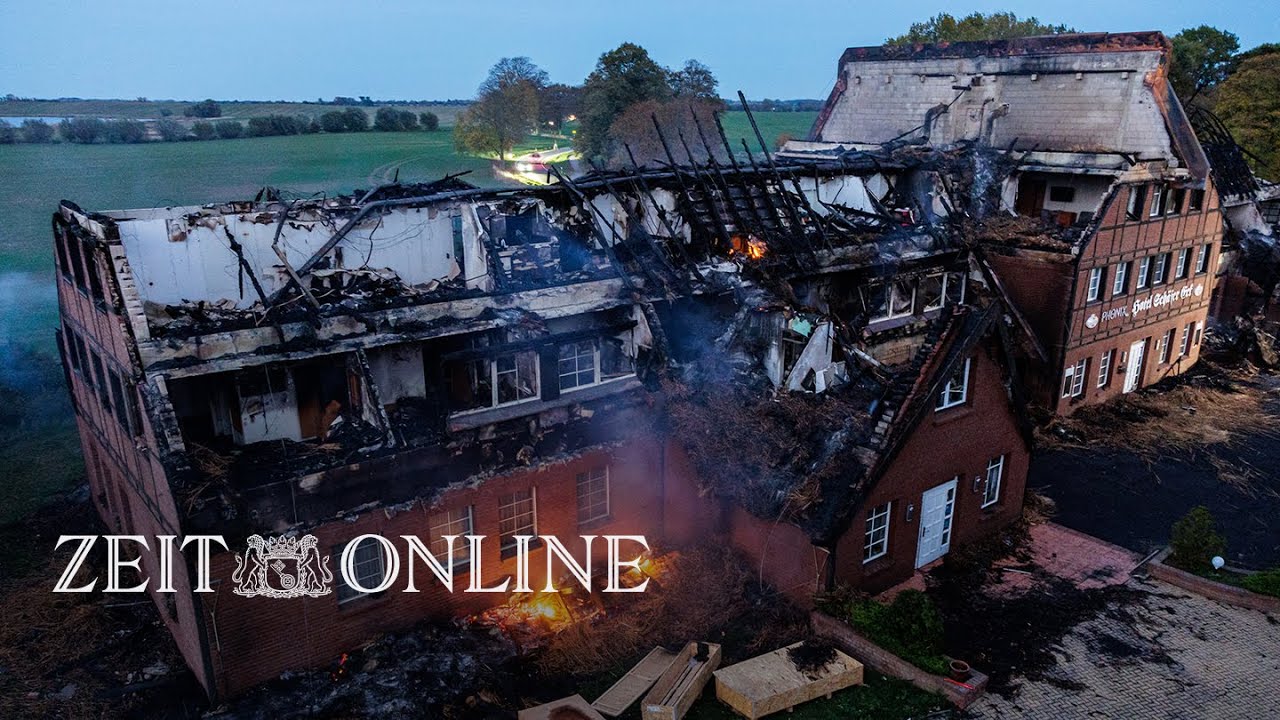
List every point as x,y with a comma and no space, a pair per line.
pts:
1157,202
956,390
1137,196
1144,272
1161,269
1202,259
1062,193
453,521
1120,283
369,570
940,289
1182,268
995,477
1173,203
876,540
517,515
504,379
579,364
1196,202
1094,289
593,494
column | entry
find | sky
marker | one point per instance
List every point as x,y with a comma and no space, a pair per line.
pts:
304,50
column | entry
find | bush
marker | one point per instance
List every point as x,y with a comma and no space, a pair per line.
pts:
204,130
125,131
334,121
8,135
229,129
1266,582
429,121
389,119
204,109
910,627
171,130
357,120
308,126
274,125
37,131
1195,540
82,130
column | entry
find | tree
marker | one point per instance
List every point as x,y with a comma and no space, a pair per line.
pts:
622,77
506,108
387,120
1249,104
1202,57
334,121
171,130
229,129
557,103
356,119
695,80
429,121
634,128
81,130
124,131
408,121
944,27
204,130
204,109
1194,540
37,131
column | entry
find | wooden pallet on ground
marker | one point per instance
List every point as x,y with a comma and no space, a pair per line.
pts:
635,683
682,683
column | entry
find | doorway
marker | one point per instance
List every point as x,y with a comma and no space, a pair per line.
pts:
1133,373
936,510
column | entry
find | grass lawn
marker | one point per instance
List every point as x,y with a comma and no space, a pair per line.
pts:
154,109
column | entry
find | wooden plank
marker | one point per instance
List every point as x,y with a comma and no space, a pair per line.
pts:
635,683
682,683
544,712
771,683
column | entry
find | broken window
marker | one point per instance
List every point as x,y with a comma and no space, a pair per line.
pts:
1062,193
95,280
995,474
1073,379
578,364
902,302
77,265
876,541
369,570
593,494
1196,202
119,404
932,292
1104,368
1137,196
517,515
956,390
100,380
71,351
60,242
457,522
501,379
1173,205
515,377
1199,330
614,361
891,300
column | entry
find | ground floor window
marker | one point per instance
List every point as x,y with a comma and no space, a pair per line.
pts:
1104,368
593,494
1184,347
877,538
995,477
1073,379
454,521
517,515
1163,346
369,569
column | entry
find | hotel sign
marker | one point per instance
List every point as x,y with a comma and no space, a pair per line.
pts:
1153,301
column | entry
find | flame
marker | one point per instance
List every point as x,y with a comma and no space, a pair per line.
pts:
750,245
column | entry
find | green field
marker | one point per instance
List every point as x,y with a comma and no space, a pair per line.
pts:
154,109
37,443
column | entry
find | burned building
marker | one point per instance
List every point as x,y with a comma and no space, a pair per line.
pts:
1112,229
803,357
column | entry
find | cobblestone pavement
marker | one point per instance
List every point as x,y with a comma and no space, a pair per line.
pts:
1168,654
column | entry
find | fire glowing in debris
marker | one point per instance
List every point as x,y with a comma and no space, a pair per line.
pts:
751,246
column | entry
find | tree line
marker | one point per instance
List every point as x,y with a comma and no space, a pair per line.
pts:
87,131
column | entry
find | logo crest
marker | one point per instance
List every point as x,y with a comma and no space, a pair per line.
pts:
282,567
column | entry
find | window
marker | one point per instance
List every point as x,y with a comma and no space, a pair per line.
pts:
1095,284
1196,203
517,515
1202,259
60,241
1137,196
1199,332
956,389
488,382
1173,205
1062,194
1163,346
1157,202
876,543
118,401
593,494
1183,267
368,569
892,300
1144,272
1162,267
1184,347
454,521
579,362
1120,283
100,380
995,473
1104,368
1073,379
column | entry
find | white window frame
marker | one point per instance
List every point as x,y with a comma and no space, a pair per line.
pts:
1144,272
875,538
1104,368
1162,269
1094,290
1182,269
517,529
1199,332
577,357
1073,379
1202,260
456,521
365,580
950,396
593,475
1164,345
1119,284
1157,202
1184,347
995,480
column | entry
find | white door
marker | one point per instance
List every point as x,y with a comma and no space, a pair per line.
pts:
936,508
1133,373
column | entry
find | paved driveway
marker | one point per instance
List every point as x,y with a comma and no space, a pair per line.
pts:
1166,654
